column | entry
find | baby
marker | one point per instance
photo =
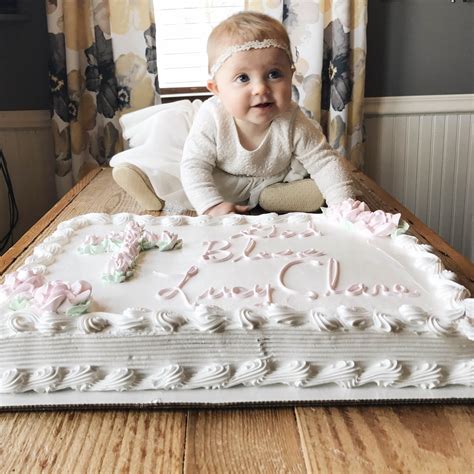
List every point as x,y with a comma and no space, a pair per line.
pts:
251,135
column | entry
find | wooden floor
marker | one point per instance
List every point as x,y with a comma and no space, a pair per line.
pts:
410,438
352,439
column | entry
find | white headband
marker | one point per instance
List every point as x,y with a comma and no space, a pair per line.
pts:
228,52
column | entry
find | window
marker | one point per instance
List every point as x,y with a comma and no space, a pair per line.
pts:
182,28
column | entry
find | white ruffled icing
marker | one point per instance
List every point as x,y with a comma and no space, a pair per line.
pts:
173,221
270,218
123,218
295,372
201,221
468,305
213,318
167,321
385,322
322,322
385,373
435,326
92,323
132,319
146,220
80,378
427,375
211,377
461,374
250,319
117,380
299,373
12,381
234,219
280,314
22,321
251,373
413,315
207,318
298,218
466,327
343,373
60,237
171,377
448,290
354,317
45,379
50,323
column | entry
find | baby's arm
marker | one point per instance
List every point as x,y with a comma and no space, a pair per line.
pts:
198,163
324,164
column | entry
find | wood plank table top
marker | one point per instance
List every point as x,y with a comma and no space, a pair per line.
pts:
397,438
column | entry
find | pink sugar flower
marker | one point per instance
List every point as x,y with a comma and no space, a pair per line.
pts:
378,223
92,240
169,241
349,210
352,209
22,282
79,293
51,295
59,296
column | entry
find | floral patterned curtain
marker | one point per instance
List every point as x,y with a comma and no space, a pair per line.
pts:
102,64
328,38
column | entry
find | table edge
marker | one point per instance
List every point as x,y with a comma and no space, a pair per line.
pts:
391,204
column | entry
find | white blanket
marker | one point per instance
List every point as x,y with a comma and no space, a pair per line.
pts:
156,137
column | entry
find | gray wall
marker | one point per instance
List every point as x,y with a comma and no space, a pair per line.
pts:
24,83
420,47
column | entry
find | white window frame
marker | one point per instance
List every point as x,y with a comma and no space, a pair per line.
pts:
200,16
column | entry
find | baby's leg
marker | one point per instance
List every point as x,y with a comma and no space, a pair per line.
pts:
136,183
298,196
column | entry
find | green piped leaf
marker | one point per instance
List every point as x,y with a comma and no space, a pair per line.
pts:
19,303
402,228
78,309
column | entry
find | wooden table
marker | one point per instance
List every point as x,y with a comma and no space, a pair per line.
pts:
410,438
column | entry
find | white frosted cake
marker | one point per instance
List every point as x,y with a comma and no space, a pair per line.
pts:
336,306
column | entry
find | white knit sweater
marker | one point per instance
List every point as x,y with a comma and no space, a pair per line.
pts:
215,167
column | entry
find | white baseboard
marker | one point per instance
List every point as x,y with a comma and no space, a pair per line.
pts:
420,104
27,143
421,152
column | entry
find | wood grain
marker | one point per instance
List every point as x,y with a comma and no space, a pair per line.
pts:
387,439
92,442
260,440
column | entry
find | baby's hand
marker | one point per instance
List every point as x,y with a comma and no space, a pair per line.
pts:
226,208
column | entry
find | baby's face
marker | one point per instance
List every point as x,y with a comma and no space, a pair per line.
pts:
254,86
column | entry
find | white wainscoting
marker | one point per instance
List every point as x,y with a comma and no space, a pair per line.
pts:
420,149
27,143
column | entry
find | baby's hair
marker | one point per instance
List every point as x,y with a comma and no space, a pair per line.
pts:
241,28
